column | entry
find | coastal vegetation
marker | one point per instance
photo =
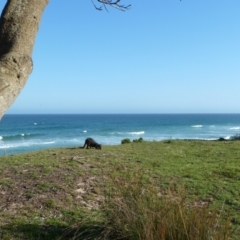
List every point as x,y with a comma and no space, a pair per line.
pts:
171,189
128,140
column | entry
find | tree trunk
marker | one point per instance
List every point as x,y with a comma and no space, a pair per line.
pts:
19,25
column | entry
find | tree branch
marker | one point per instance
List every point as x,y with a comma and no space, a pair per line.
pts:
113,3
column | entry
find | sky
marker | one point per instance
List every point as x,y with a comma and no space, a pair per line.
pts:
161,56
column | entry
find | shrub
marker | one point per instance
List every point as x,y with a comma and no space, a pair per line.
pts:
235,137
138,140
126,140
221,139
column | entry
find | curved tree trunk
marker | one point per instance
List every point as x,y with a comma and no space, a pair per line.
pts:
19,25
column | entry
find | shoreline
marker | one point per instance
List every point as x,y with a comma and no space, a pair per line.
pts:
24,133
5,151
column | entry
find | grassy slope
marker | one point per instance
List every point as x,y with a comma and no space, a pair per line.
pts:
43,193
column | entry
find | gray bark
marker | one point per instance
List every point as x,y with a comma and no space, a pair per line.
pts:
19,25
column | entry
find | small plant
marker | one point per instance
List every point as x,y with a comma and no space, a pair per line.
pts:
49,203
138,140
168,141
125,140
6,182
29,194
43,186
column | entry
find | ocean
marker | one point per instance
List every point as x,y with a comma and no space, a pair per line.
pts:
25,133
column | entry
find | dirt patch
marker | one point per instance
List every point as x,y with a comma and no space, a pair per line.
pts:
63,184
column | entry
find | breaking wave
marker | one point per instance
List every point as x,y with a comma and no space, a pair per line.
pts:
24,144
137,133
131,133
18,137
235,128
197,126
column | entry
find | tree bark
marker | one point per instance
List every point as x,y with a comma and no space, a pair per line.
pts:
19,25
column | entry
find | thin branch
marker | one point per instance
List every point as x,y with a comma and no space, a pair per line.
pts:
98,8
113,3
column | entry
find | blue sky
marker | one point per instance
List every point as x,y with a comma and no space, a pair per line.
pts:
161,56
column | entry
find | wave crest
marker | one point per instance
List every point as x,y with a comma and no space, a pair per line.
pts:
137,133
24,144
18,136
235,128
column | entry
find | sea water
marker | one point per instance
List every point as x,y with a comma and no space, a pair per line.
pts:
23,133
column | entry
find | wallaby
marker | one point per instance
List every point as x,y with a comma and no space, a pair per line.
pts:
92,143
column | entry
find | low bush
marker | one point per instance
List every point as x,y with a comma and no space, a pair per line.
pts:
138,140
221,139
126,140
235,137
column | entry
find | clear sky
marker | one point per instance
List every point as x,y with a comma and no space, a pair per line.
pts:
161,56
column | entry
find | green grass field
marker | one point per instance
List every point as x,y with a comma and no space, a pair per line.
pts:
80,193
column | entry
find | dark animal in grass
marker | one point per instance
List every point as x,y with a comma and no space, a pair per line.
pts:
91,143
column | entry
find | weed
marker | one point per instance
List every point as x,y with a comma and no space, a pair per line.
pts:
43,186
6,182
49,203
29,194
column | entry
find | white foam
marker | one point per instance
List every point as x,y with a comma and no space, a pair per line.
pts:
234,128
124,133
15,145
84,131
22,134
35,123
48,142
1,137
137,133
197,126
24,144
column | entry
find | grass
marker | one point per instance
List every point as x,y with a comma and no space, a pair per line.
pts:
144,213
145,190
